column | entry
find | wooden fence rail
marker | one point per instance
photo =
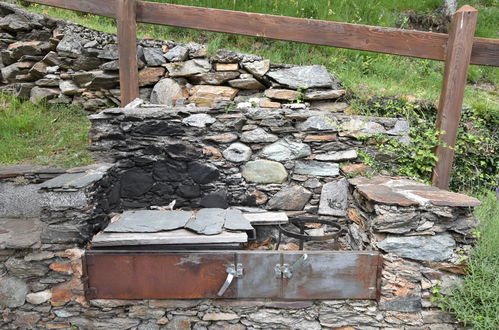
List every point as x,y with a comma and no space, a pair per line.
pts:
458,48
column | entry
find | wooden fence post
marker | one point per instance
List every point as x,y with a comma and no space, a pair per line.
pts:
127,45
451,97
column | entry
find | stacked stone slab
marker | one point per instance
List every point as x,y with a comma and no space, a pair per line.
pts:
61,62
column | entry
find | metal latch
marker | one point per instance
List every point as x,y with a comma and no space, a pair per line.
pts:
286,271
232,271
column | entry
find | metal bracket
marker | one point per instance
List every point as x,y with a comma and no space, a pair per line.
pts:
286,271
232,272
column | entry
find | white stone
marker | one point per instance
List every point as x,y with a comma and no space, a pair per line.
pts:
38,298
237,153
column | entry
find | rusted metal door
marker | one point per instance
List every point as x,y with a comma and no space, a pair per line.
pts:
344,275
293,275
156,275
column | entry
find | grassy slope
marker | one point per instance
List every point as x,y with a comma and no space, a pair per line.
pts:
39,134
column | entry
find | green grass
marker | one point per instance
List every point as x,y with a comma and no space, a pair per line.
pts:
476,302
39,134
365,74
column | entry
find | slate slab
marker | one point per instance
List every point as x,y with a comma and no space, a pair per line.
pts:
19,233
207,221
447,198
385,195
146,221
334,198
235,221
303,76
317,168
424,248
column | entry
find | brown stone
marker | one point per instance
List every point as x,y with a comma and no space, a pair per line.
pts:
71,254
66,292
384,195
25,65
57,325
266,103
448,198
149,76
361,180
26,320
62,267
320,138
222,138
212,152
282,94
209,96
226,67
260,197
180,323
354,215
38,70
356,169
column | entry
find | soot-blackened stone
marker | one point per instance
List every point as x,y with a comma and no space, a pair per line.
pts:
182,150
164,189
161,128
136,182
217,199
169,170
203,173
189,190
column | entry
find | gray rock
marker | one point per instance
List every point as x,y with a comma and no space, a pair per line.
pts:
145,221
177,54
70,46
75,180
312,76
98,79
188,68
24,269
235,220
264,171
166,91
356,127
246,83
258,135
424,248
275,318
290,199
317,168
68,87
198,120
18,201
401,127
14,22
109,52
334,198
12,292
237,153
214,78
20,233
347,318
207,221
257,68
115,323
318,123
318,95
154,56
407,304
38,94
286,149
338,156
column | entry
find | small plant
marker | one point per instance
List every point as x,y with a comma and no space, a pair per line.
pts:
300,98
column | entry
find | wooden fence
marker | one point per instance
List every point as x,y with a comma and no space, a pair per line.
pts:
458,49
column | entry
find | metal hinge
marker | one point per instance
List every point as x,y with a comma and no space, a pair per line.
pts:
286,271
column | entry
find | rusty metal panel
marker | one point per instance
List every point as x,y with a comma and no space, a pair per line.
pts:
259,280
156,275
332,275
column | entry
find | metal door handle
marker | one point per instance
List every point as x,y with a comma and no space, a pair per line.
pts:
287,271
232,272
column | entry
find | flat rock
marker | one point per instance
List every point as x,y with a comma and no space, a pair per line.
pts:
149,76
257,68
188,68
286,149
74,180
313,76
385,195
266,218
222,138
282,94
264,171
338,156
154,56
38,94
12,292
214,78
207,222
359,127
70,46
334,198
329,106
205,95
198,120
177,54
68,87
167,91
448,198
423,248
246,83
146,221
258,135
317,95
235,221
316,168
223,67
292,198
237,153
318,123
20,233
203,173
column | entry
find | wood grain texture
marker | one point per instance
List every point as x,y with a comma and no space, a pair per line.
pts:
451,97
127,46
410,43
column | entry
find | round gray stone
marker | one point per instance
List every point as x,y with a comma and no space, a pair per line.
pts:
237,153
264,171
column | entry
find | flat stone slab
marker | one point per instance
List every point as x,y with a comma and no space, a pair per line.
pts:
317,168
235,221
17,170
267,218
72,180
207,222
404,192
19,233
424,248
145,221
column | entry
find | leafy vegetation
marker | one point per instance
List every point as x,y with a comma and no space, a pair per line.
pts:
476,301
42,134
